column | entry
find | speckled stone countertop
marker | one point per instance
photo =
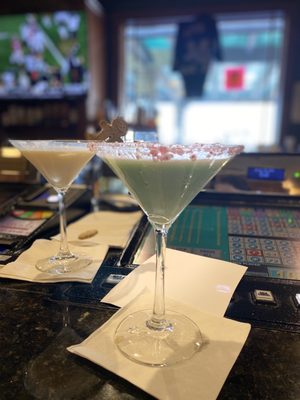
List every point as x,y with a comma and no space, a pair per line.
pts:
38,322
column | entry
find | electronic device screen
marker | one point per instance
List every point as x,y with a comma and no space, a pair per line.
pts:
43,53
265,239
270,174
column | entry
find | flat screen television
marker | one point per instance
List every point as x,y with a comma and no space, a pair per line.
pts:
43,54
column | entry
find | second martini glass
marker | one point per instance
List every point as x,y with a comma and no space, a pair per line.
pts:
59,161
164,180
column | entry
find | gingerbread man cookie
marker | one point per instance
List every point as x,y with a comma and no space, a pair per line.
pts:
112,132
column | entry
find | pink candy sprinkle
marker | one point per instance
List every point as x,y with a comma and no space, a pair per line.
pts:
179,151
153,152
167,156
163,149
159,152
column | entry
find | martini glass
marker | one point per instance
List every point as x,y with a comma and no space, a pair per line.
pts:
164,180
59,161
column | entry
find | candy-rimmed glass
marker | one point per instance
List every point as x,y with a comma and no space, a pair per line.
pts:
164,180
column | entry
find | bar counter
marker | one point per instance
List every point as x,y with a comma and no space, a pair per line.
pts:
38,322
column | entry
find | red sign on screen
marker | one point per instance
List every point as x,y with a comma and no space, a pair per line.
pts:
235,78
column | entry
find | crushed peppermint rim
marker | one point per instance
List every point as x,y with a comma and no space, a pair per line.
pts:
160,152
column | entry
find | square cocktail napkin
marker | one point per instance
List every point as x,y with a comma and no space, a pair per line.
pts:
24,267
108,228
201,282
113,229
200,378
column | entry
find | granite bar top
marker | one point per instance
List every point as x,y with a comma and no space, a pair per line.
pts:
39,321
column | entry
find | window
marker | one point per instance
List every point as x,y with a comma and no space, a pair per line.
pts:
239,99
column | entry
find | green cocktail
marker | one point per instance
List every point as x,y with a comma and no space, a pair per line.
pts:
163,189
164,180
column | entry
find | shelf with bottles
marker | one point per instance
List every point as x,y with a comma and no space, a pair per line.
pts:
60,117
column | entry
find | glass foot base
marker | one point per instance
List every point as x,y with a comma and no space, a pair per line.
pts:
62,265
178,341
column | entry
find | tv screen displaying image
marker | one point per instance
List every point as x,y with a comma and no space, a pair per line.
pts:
43,54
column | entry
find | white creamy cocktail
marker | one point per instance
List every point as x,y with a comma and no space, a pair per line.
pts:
164,180
59,166
59,161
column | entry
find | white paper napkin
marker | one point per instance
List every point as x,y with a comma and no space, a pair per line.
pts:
200,378
201,282
24,267
113,228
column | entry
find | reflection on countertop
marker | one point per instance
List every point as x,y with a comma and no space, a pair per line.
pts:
39,321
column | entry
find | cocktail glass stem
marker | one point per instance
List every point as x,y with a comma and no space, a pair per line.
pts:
158,337
64,251
158,321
